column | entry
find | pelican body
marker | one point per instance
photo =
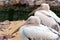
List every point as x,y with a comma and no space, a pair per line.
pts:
34,30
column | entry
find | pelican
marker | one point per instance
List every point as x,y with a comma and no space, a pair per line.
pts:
46,10
47,21
47,17
34,30
51,13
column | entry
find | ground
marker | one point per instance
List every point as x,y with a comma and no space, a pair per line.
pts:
13,29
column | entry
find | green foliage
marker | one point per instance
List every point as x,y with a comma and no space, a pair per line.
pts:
12,13
17,13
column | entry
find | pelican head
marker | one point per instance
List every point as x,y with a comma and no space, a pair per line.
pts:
45,6
33,20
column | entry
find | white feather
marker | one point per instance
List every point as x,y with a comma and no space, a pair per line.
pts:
47,21
47,11
37,32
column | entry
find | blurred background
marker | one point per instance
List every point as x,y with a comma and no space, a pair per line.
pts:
19,9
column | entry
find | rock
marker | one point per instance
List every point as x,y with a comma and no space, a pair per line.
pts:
6,37
39,2
4,25
54,4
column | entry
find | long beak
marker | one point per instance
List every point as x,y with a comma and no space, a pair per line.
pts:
34,11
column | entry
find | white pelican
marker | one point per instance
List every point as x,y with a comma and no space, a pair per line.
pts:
51,13
47,16
33,30
47,21
46,10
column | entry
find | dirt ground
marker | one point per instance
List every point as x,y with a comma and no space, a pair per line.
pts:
12,29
